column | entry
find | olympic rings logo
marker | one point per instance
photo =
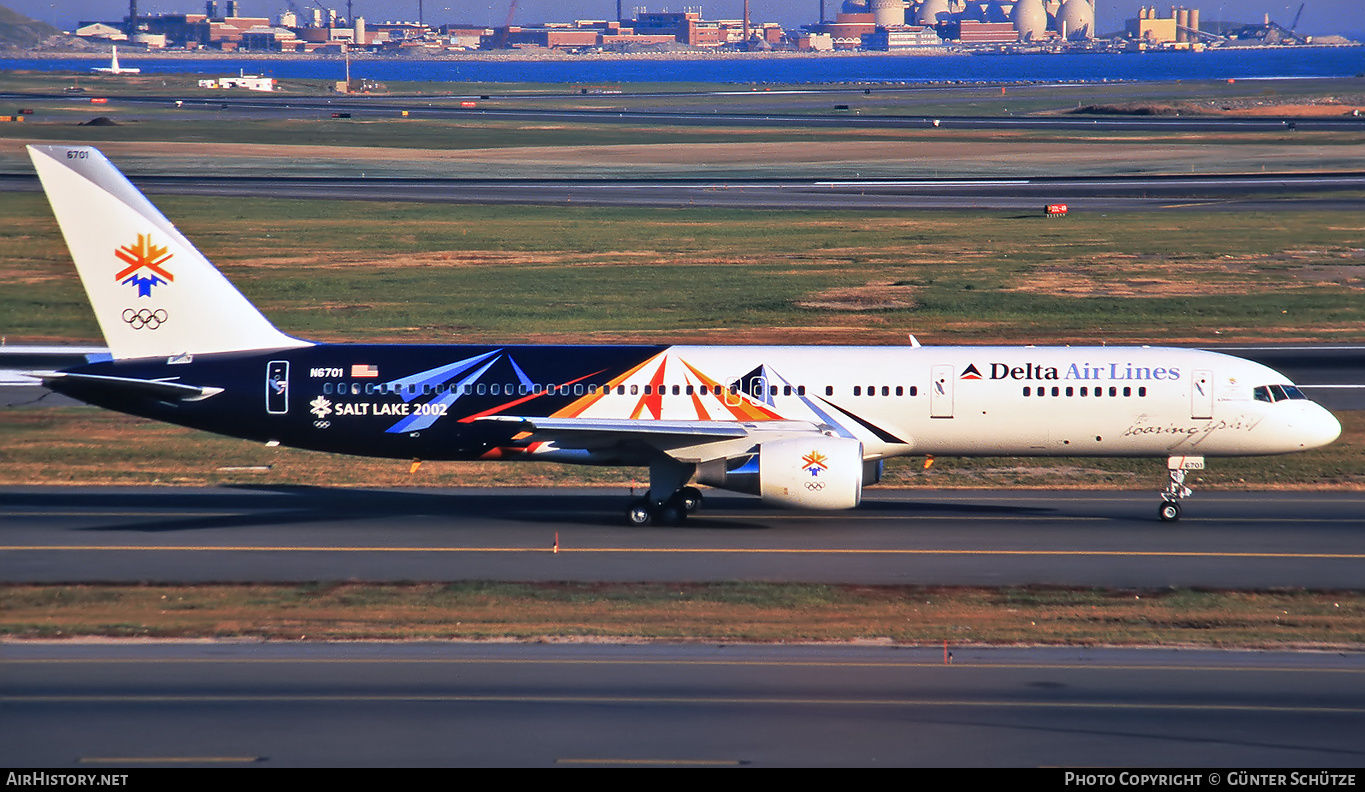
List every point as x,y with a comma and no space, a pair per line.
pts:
145,317
815,486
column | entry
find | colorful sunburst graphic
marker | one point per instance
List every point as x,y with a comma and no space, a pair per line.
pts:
144,256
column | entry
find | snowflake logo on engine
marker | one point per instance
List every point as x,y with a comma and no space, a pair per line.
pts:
815,463
144,268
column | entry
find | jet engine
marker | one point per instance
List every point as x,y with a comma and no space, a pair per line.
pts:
816,472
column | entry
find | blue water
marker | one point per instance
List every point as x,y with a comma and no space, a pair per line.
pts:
1147,66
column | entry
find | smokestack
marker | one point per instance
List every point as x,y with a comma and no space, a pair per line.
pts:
132,18
618,10
746,24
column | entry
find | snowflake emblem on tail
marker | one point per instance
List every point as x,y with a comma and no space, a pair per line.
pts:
143,256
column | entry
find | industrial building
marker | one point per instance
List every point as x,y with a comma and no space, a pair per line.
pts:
886,25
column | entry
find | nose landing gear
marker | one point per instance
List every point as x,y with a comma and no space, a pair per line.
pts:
1177,467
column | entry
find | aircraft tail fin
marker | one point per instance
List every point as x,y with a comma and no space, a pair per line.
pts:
153,292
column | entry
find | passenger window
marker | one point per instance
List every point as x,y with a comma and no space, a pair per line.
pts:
900,390
1113,391
1127,391
800,390
676,390
481,389
327,387
495,389
1028,391
578,389
634,390
857,390
786,390
829,390
1070,392
1142,392
914,390
1085,391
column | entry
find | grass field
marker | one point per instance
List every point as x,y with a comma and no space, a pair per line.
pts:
413,272
695,612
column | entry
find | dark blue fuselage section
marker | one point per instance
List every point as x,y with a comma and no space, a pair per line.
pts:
398,401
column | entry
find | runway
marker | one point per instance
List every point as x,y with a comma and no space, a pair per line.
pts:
1213,193
225,704
911,537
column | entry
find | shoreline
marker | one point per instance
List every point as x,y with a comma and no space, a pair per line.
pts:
554,55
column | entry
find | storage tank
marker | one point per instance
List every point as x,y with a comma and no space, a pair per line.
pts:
1030,19
932,12
1076,20
888,13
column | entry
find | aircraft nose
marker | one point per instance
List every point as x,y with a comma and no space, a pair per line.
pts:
1317,427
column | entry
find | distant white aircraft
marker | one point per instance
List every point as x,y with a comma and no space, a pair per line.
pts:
114,68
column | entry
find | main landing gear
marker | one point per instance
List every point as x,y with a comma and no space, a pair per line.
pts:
672,511
1175,491
666,475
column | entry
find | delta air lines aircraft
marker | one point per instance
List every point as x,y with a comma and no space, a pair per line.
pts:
805,427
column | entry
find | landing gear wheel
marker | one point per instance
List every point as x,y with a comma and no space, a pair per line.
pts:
689,498
1169,511
668,513
639,513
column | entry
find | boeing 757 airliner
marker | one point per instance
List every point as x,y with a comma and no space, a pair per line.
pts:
805,427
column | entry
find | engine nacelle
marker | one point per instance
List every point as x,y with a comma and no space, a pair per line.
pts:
816,472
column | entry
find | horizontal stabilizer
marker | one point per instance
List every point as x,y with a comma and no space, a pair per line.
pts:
160,389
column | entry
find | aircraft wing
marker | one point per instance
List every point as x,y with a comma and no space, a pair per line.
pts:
686,441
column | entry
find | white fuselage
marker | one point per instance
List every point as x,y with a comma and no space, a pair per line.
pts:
965,401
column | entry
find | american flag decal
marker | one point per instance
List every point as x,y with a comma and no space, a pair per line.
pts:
363,370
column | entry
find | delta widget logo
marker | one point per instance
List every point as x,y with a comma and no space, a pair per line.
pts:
971,372
144,269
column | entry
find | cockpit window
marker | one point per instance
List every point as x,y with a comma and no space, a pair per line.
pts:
1276,393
